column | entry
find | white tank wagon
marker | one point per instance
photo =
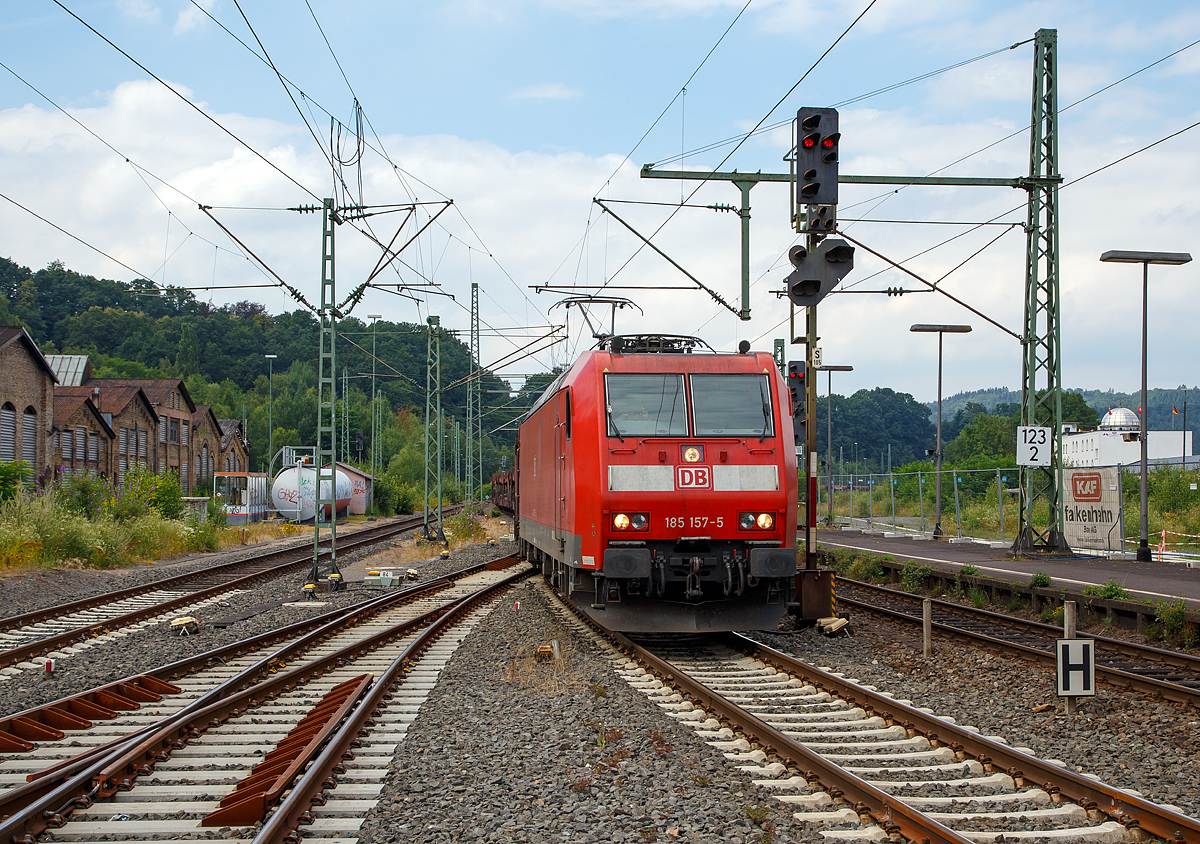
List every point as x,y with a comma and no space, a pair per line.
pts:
294,493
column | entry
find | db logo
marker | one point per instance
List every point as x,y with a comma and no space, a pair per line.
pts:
1086,486
693,477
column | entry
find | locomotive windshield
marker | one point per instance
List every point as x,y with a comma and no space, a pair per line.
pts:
646,405
732,406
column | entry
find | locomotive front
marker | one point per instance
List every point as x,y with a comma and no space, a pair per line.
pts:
694,514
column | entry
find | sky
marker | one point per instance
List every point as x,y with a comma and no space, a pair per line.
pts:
119,118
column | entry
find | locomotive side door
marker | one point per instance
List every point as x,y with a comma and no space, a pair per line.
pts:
561,421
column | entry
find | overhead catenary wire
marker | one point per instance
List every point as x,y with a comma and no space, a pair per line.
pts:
738,146
190,104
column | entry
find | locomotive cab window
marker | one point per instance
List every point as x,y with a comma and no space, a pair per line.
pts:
732,406
645,405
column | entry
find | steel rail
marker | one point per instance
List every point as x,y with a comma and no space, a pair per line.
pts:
891,813
1117,676
13,622
310,631
298,558
102,775
1126,648
1132,812
46,781
281,826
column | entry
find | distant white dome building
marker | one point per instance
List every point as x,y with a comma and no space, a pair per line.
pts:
1116,442
1121,419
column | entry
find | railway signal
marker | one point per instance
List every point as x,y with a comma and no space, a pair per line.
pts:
817,156
819,271
798,389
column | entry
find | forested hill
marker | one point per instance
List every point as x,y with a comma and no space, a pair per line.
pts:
133,330
1161,402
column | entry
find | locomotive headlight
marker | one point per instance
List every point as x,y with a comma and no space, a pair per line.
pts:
638,521
746,521
620,522
692,454
765,521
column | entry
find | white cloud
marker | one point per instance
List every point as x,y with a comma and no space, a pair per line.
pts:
546,91
142,10
191,17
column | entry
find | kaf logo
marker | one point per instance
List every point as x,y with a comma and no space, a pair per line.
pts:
1086,486
693,477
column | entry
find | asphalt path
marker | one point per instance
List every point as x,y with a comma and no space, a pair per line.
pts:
1153,580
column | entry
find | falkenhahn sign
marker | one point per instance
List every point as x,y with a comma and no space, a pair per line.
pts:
1092,508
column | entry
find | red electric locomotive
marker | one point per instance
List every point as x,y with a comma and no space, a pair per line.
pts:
655,484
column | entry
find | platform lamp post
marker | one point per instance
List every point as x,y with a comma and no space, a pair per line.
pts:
270,413
374,318
939,330
829,432
1116,256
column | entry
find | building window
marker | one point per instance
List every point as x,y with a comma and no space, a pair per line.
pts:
122,442
183,477
8,432
162,429
80,444
142,447
184,431
29,437
174,430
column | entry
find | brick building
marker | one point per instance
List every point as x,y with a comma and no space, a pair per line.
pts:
235,456
206,443
84,440
26,400
174,408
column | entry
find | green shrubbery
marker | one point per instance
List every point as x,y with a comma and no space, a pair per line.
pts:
87,521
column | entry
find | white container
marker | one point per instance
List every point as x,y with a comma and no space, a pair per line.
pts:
294,493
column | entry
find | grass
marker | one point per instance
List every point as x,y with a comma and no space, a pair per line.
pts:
528,675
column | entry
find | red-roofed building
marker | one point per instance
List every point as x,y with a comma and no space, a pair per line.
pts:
130,415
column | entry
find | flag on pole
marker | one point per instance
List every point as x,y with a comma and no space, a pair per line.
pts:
1173,410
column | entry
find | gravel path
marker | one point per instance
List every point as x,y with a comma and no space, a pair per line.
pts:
507,749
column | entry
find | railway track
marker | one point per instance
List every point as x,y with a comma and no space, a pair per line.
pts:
859,765
1170,674
62,630
227,741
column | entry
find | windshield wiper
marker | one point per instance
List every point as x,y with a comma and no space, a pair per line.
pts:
611,421
766,409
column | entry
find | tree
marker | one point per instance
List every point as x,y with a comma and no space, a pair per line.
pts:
985,436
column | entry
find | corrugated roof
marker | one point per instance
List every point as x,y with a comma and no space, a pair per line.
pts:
69,369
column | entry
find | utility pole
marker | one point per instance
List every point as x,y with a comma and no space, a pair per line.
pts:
433,420
1040,526
326,446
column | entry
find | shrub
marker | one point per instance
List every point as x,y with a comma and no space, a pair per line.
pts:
969,571
1170,618
167,496
83,494
866,568
12,476
215,514
1040,580
978,598
913,577
466,527
1110,589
